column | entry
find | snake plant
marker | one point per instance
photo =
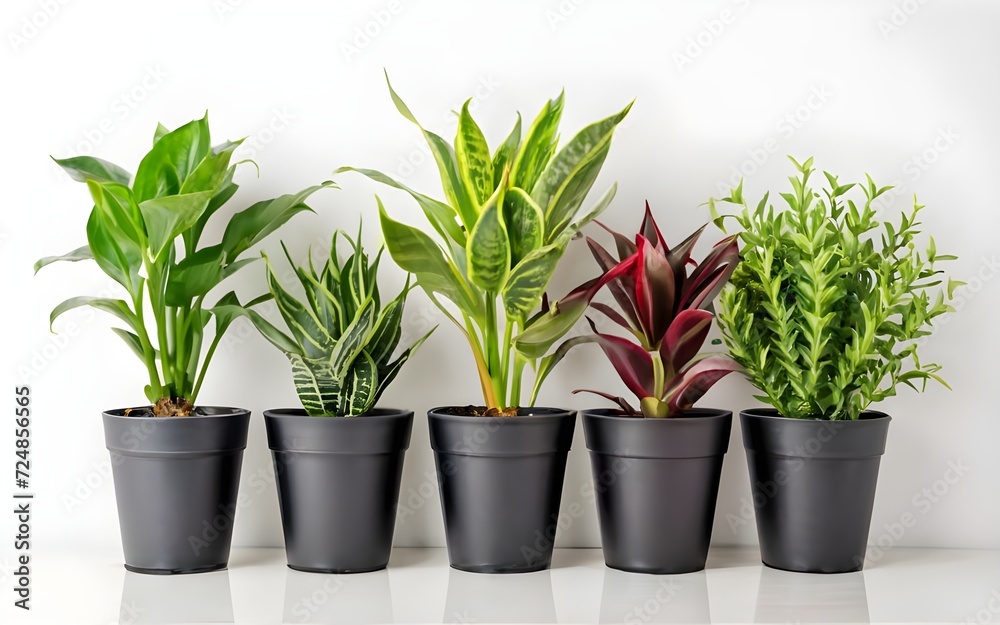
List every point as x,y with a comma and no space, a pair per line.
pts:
146,232
340,339
504,223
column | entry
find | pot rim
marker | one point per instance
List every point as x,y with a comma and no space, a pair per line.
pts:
771,414
221,412
545,414
374,415
691,414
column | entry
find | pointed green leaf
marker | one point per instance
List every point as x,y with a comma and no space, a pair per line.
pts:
525,224
527,282
83,168
168,217
473,155
539,145
116,307
318,388
361,386
504,157
80,253
250,226
174,155
355,338
488,249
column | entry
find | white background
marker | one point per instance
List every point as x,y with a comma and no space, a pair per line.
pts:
906,91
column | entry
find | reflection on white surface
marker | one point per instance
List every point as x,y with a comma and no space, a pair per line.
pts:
641,598
354,598
513,598
198,598
786,597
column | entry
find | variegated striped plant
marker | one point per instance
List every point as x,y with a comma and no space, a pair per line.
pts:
340,339
505,220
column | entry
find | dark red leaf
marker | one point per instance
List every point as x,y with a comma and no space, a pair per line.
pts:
621,401
654,291
689,387
622,288
652,233
711,275
680,256
625,247
633,364
613,315
685,337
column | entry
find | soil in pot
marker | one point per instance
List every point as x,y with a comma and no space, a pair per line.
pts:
500,481
176,484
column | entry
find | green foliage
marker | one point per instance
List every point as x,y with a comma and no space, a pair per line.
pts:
504,223
340,339
827,306
145,233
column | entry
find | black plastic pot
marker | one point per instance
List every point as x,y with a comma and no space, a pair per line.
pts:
501,479
656,483
338,486
813,485
176,482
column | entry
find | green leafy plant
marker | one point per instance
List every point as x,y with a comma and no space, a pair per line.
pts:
826,307
664,301
505,222
145,232
340,339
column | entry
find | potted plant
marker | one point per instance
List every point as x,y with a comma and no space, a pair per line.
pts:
657,466
504,224
177,464
825,313
338,459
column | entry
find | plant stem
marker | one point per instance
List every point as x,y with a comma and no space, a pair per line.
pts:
489,396
505,364
148,353
492,340
515,385
659,379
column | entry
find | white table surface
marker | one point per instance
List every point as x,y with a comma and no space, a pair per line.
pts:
903,586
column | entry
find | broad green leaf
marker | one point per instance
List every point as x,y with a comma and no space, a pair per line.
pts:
273,335
80,253
539,145
117,255
168,217
84,168
416,253
190,280
444,156
527,282
588,145
488,249
160,131
121,213
473,154
548,363
442,217
174,156
503,158
116,307
227,189
595,212
211,172
525,224
571,195
316,385
250,226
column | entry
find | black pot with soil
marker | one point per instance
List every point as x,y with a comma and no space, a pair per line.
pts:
656,483
176,483
501,479
813,484
338,486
